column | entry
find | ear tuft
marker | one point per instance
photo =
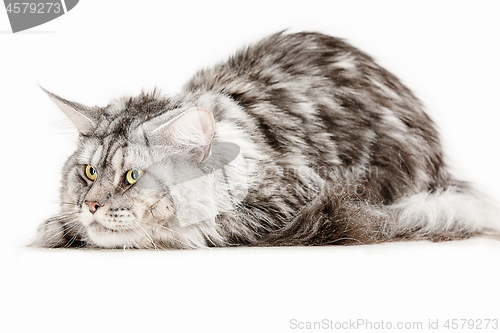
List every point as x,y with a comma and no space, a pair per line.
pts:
82,117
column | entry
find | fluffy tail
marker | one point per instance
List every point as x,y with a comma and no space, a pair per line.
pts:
454,211
345,216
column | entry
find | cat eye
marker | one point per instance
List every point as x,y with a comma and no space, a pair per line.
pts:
132,176
90,172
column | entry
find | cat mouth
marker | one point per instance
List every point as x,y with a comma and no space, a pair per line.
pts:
106,237
98,227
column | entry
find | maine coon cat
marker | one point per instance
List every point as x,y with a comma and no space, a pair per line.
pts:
299,139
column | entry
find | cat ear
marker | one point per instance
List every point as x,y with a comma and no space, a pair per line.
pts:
189,133
83,117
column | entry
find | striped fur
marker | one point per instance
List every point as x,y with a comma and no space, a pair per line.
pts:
330,149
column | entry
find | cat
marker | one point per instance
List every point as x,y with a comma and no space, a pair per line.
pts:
299,139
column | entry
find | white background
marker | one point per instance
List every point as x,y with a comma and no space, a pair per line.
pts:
447,52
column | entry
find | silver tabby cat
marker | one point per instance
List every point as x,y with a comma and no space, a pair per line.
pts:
300,139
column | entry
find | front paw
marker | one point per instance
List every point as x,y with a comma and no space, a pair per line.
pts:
50,233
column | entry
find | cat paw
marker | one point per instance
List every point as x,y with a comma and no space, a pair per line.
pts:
50,234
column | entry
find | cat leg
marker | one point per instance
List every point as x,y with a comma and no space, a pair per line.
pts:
339,215
56,232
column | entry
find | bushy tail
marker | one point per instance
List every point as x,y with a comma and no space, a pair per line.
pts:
454,211
341,217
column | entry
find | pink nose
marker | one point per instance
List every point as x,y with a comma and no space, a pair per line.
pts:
93,205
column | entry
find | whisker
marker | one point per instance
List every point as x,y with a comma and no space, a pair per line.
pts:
176,239
171,237
133,242
65,227
147,235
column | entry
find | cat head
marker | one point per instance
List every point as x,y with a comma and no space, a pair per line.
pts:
146,173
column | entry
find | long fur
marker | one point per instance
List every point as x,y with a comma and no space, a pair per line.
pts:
310,142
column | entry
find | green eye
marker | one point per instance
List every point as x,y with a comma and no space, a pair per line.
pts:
132,176
90,172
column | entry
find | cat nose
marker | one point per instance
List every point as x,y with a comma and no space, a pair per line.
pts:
93,205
